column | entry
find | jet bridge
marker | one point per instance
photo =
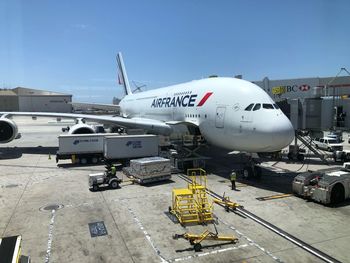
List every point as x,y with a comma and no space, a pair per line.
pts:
310,117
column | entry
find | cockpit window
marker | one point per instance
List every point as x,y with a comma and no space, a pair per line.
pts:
257,106
276,106
267,106
249,108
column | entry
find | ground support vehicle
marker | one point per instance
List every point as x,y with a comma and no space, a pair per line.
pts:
191,205
196,239
341,156
330,186
328,144
97,180
80,148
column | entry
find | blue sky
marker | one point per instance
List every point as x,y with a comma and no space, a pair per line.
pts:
70,46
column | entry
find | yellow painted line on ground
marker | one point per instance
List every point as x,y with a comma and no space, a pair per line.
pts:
272,197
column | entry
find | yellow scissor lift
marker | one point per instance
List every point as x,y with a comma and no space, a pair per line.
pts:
191,204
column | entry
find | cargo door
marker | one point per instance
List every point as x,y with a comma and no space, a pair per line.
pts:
220,117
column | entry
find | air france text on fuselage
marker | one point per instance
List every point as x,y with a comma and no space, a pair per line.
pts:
182,99
176,101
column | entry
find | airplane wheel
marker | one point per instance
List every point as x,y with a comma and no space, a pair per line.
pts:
258,171
247,172
83,161
290,156
300,157
94,160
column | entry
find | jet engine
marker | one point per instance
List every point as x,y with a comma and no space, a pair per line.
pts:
81,128
8,130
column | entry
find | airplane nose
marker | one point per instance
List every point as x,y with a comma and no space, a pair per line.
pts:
275,133
283,133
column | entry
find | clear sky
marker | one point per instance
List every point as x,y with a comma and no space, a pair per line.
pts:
70,46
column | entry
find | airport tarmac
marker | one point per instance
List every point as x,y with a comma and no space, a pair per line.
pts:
52,207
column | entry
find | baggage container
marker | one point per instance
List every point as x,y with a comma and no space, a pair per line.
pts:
130,146
151,169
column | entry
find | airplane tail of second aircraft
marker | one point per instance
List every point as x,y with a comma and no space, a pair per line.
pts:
122,76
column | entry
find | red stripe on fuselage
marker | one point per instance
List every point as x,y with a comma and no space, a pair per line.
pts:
204,99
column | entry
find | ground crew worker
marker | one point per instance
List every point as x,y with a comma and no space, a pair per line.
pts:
113,170
233,178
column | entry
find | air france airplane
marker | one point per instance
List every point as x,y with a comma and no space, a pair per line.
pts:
230,113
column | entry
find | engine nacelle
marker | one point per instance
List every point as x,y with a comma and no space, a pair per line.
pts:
82,128
8,130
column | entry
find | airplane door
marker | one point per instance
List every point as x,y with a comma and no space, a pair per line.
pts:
220,117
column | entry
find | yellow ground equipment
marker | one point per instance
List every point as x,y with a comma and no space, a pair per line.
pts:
191,204
196,240
227,203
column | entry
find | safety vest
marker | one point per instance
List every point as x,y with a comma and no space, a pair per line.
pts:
233,176
113,170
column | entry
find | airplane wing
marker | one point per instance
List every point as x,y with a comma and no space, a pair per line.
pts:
150,125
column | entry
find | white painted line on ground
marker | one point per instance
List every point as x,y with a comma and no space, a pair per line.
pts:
148,237
252,242
155,248
49,241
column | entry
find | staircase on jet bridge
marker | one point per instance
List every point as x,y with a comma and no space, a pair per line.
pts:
308,142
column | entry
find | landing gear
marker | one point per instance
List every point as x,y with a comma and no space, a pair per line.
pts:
298,156
251,171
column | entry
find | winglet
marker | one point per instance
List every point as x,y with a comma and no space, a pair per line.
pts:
123,78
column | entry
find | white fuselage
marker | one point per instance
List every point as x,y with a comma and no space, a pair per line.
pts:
217,106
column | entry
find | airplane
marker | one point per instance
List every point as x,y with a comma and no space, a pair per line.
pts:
230,113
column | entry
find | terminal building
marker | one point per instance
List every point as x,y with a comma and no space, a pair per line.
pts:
33,100
312,103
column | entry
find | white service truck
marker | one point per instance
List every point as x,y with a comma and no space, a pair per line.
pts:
81,148
92,148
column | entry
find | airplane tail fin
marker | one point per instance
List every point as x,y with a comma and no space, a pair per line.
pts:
122,77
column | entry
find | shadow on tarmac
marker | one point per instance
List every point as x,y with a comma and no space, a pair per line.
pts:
17,152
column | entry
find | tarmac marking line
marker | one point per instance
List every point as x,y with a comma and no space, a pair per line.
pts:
252,242
49,241
155,248
116,226
148,236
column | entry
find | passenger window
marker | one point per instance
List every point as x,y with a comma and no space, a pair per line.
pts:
249,108
276,106
267,106
257,106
